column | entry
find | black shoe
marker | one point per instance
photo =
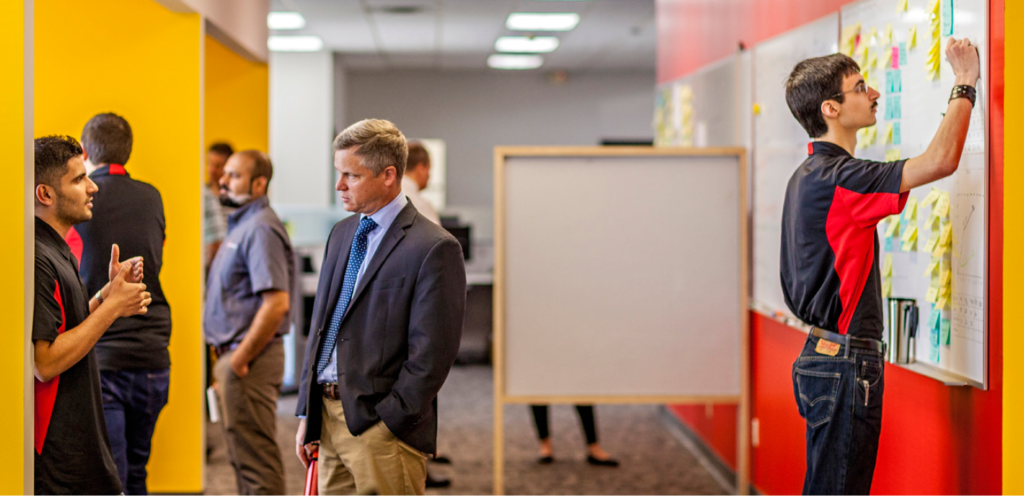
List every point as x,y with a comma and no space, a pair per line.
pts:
442,460
434,482
611,463
545,460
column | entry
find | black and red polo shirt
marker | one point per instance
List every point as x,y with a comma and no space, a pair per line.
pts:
72,450
829,263
129,213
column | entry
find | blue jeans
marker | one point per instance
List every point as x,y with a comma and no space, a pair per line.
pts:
840,397
132,401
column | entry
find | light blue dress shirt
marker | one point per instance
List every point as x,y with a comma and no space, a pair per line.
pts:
383,217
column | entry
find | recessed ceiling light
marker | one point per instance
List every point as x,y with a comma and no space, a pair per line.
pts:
515,61
295,43
537,21
526,44
285,20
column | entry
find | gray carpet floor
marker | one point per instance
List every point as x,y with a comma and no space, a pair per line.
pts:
653,459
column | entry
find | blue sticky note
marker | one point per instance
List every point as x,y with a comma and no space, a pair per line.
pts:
903,54
896,133
933,323
903,224
896,112
897,81
888,244
947,17
944,332
933,353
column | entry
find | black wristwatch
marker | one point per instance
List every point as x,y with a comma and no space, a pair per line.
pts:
964,91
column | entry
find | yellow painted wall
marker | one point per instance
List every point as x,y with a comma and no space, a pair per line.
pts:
1013,264
237,100
12,215
140,60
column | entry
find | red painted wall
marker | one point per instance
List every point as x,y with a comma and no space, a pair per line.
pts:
935,439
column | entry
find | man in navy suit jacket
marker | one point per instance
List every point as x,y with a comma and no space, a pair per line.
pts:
385,329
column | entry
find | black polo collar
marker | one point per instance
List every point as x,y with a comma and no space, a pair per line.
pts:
49,236
827,148
109,170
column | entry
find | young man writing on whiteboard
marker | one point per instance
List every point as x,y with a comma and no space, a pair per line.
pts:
829,264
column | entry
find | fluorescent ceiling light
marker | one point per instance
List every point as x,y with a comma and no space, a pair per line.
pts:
285,20
515,61
531,21
295,43
526,44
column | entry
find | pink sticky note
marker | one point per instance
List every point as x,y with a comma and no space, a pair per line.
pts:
895,57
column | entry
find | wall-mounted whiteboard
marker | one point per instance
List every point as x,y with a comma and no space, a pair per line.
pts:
913,98
780,145
709,108
621,273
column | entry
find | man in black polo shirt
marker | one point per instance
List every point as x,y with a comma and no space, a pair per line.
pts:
829,265
133,358
71,444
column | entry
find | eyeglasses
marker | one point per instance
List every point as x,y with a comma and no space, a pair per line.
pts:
860,88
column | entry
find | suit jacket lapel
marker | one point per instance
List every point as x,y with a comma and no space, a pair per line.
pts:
339,269
395,234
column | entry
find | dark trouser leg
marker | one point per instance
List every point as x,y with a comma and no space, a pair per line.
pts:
588,423
114,389
540,421
148,398
842,432
249,405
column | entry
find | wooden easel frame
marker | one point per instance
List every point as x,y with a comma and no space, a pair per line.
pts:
501,399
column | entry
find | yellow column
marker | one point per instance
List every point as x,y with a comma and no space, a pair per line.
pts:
15,137
1013,265
237,99
144,62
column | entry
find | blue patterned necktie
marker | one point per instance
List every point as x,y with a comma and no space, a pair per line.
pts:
355,260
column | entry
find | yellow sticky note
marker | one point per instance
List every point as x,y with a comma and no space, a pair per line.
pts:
901,6
894,223
873,82
947,231
910,211
888,133
931,267
909,235
944,277
873,36
872,134
939,251
942,205
933,294
933,221
930,245
887,265
873,58
887,38
931,197
886,288
908,246
757,109
911,39
933,8
892,155
940,303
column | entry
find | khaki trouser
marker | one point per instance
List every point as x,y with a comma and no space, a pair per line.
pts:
249,408
375,462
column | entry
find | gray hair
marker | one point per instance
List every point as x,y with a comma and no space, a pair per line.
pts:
379,143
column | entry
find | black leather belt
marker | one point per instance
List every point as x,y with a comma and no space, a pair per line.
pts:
849,341
224,349
330,391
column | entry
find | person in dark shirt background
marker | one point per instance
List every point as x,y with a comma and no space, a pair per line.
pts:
72,450
133,357
829,257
